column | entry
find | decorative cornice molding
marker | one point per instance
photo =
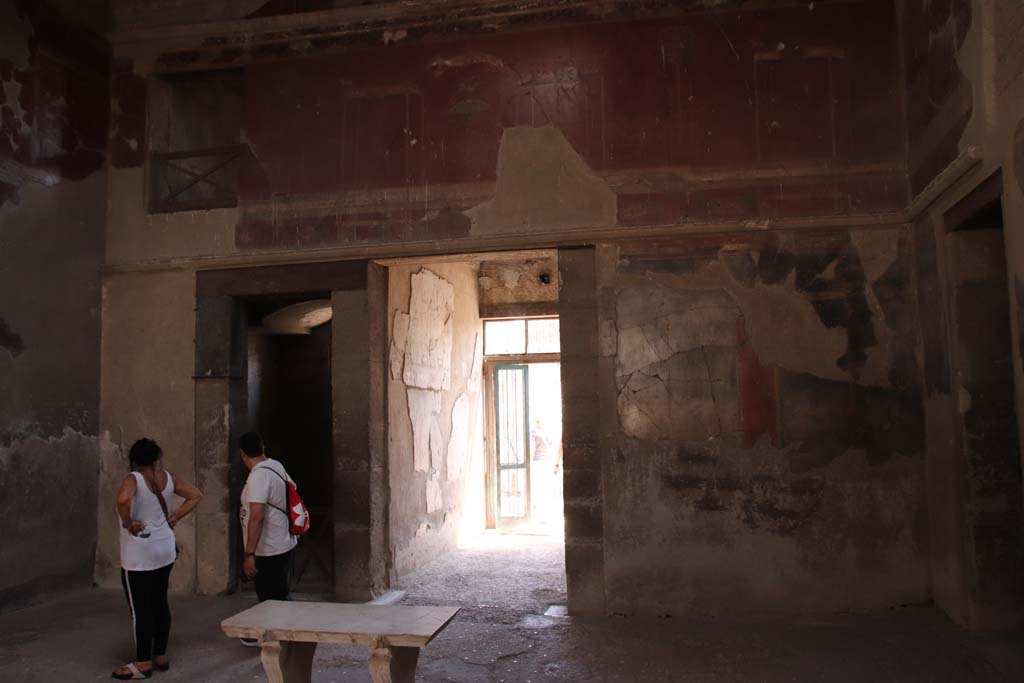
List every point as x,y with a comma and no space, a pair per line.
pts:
933,191
476,244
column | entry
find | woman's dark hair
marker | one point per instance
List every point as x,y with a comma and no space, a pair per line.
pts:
251,444
144,452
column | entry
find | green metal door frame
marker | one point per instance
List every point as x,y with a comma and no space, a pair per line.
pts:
508,523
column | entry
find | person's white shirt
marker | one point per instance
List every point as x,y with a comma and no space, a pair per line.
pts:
263,486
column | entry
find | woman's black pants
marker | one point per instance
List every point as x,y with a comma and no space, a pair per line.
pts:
151,615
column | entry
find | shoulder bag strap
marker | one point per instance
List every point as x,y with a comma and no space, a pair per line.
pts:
159,496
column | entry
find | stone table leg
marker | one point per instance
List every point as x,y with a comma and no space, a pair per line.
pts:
393,664
288,662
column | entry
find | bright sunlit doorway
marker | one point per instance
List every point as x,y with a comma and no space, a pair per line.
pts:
523,425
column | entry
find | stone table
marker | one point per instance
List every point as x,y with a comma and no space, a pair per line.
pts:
289,631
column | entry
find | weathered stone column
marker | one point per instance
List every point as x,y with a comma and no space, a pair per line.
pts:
581,431
358,374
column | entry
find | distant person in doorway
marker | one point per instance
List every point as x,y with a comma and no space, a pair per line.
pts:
542,447
265,524
148,552
547,458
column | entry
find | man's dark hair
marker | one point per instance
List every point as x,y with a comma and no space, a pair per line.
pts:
251,444
144,452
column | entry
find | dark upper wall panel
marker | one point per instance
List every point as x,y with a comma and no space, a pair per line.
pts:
54,99
767,86
741,115
939,96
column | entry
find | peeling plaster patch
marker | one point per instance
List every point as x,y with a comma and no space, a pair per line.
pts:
543,183
428,352
390,36
784,327
476,372
434,499
878,251
458,442
439,66
424,407
436,445
10,341
399,336
510,278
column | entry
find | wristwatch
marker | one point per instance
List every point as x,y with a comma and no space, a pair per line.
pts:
250,554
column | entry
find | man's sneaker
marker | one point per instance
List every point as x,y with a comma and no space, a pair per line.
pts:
250,642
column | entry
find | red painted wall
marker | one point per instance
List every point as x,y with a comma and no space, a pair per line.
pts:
939,102
718,93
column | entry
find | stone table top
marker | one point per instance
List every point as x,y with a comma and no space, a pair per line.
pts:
329,622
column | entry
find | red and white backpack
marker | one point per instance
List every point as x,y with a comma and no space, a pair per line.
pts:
298,515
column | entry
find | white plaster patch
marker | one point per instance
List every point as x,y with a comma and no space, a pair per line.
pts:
542,183
510,278
424,407
428,351
458,442
399,336
434,498
436,446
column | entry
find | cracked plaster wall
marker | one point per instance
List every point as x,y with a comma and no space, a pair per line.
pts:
53,76
434,437
769,446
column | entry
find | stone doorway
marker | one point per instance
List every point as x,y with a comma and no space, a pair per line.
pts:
332,420
288,391
981,359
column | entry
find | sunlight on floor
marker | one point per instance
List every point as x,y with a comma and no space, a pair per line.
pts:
496,540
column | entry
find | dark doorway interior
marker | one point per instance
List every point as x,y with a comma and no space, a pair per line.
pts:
289,397
984,375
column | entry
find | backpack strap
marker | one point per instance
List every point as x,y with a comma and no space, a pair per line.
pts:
283,512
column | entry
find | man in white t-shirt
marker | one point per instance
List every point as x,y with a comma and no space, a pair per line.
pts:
265,524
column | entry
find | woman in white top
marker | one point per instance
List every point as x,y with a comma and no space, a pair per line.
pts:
148,552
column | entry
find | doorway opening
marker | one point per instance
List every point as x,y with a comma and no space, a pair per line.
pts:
983,374
289,404
524,425
474,431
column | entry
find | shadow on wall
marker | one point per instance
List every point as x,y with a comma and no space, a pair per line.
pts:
54,98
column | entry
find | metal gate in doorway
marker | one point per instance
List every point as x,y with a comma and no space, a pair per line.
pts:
510,387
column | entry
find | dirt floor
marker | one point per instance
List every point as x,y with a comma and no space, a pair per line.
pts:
502,635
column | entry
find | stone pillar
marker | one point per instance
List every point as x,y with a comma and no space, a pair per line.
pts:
358,367
581,431
220,408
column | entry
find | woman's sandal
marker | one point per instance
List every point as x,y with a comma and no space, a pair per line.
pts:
135,673
166,666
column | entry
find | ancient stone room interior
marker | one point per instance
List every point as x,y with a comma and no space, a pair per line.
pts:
512,341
